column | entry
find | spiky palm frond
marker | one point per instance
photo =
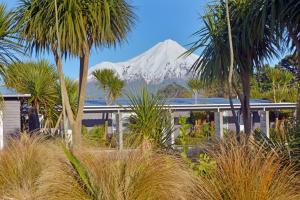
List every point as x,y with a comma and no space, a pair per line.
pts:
195,85
9,46
82,173
38,79
150,120
253,39
99,23
110,83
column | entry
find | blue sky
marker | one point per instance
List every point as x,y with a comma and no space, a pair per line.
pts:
157,20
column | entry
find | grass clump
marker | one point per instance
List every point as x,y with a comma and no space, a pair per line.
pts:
22,163
249,172
131,175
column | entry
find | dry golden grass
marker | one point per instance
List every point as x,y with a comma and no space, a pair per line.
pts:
22,163
136,175
247,172
32,168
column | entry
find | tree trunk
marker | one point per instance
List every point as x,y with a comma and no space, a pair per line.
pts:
236,122
245,104
68,115
83,76
81,60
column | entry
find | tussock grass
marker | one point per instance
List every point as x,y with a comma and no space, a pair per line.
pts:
136,175
22,163
33,168
249,172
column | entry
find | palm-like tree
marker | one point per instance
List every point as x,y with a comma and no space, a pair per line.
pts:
287,17
150,122
9,46
195,86
36,78
252,45
110,83
82,24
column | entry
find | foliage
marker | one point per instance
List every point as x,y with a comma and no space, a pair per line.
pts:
23,163
247,171
195,85
192,132
95,136
183,136
73,28
104,23
81,172
33,168
9,46
150,120
290,64
252,44
35,78
174,90
215,89
136,175
275,84
111,84
204,165
40,80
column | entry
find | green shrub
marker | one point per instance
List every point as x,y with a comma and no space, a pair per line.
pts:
96,136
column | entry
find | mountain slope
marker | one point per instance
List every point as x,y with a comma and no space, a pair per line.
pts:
155,66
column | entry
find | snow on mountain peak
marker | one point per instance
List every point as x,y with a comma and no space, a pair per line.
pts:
159,63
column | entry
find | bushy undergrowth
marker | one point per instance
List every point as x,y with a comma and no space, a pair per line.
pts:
135,175
30,168
22,166
33,168
249,172
97,137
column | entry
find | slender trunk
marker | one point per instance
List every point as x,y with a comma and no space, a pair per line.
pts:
81,60
236,122
64,92
58,122
66,108
83,76
245,104
294,36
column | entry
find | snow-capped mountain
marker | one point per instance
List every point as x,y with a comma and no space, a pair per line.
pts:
158,64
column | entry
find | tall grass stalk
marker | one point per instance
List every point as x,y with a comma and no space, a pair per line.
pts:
22,163
136,175
249,172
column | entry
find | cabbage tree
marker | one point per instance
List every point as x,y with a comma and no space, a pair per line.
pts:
253,43
82,25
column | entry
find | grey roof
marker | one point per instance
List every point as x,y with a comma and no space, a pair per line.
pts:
177,101
188,104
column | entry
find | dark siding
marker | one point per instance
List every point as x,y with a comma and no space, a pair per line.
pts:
11,117
96,119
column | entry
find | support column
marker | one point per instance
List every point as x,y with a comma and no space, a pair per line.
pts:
1,131
265,123
119,129
173,126
218,117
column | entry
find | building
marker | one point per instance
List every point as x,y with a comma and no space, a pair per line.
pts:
219,107
10,113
